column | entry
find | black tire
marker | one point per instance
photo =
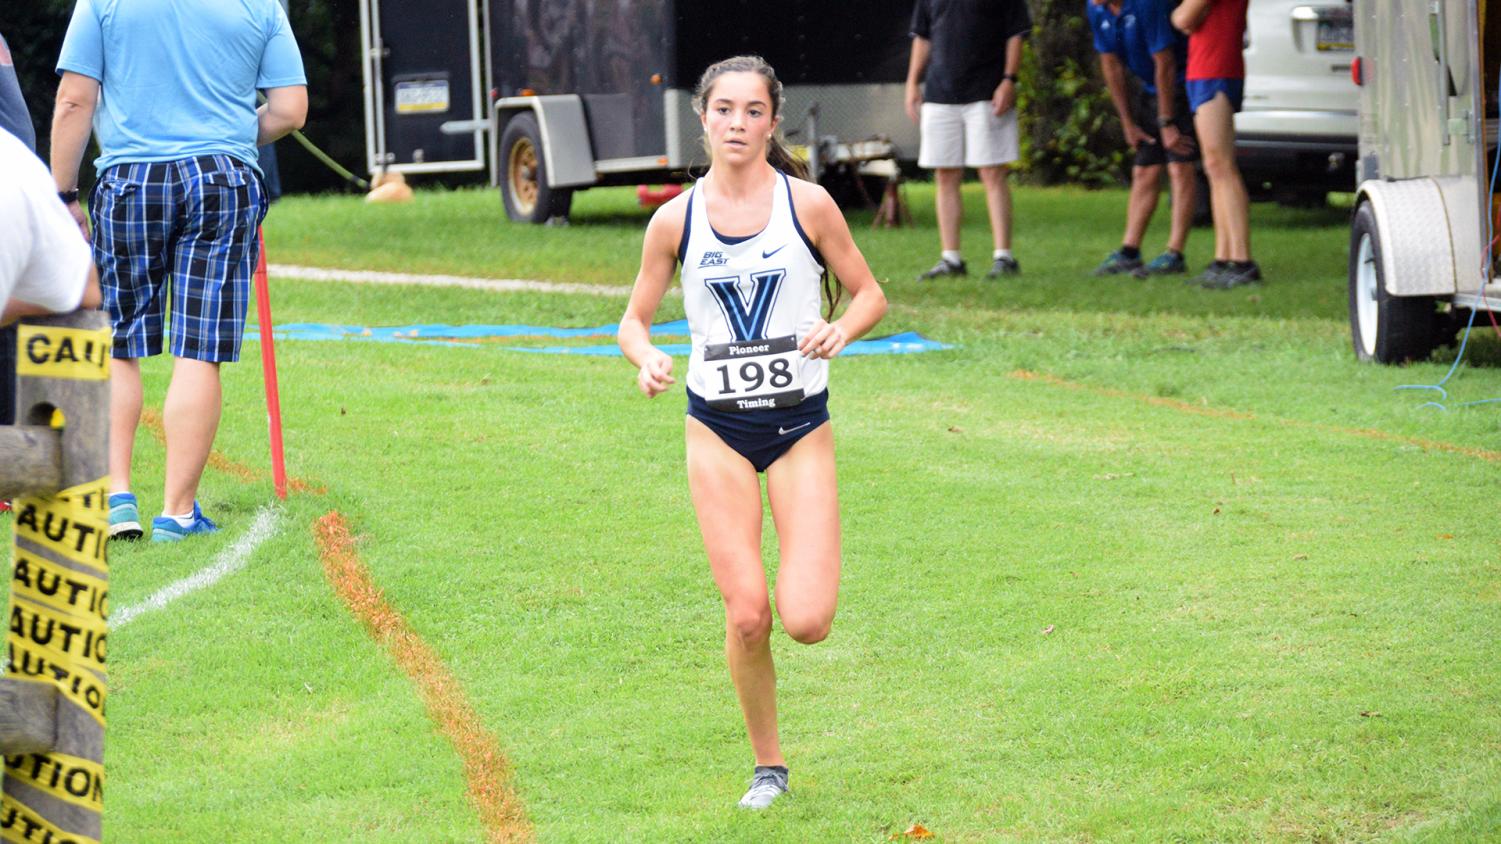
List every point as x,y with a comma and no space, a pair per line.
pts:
1386,328
523,174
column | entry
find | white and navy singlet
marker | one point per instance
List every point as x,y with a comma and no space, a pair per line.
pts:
749,300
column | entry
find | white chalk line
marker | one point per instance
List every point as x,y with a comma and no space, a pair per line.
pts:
228,561
494,285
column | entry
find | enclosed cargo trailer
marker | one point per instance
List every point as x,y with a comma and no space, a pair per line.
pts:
1421,253
553,96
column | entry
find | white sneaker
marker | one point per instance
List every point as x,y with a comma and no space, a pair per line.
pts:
769,783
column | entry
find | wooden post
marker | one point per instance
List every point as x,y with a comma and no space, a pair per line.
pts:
55,463
892,212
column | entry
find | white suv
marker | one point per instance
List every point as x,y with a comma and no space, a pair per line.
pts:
1296,136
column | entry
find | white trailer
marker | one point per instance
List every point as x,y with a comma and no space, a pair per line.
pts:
1420,252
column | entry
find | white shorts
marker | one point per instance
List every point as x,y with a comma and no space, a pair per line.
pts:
967,135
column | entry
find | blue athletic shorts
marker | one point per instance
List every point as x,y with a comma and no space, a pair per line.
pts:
1201,91
193,222
761,436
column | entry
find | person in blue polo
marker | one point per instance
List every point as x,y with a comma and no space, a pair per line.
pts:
169,88
1137,36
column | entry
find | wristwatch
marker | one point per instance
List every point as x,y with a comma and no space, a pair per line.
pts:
1010,76
1163,122
68,196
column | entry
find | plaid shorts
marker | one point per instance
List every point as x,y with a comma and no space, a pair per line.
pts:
194,221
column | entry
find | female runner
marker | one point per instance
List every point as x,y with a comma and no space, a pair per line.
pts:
755,242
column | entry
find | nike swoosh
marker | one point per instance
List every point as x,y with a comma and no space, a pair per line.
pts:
785,431
765,254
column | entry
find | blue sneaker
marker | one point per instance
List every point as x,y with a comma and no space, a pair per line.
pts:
167,529
124,517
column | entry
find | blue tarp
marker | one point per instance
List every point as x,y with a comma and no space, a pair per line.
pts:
451,335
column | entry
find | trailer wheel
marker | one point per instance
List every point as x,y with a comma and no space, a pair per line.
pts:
1383,327
523,184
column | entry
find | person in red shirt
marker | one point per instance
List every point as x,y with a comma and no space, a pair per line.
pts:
1216,83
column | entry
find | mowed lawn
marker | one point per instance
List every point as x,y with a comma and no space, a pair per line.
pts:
1133,561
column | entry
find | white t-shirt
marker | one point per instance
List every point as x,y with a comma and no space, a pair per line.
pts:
44,259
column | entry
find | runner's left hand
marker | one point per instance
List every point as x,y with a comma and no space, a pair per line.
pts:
825,341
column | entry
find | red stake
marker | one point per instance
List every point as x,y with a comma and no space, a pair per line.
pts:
268,368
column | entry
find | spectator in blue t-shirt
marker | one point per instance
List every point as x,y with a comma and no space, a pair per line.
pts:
170,89
1137,35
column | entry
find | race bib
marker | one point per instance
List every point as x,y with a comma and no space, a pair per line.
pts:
754,375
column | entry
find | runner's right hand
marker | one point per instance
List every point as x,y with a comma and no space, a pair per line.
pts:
656,374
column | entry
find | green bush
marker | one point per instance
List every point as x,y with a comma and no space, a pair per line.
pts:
1070,133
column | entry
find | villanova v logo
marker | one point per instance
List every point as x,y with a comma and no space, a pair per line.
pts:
747,317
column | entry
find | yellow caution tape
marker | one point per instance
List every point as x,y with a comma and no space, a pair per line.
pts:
46,351
71,528
20,824
80,638
68,778
40,665
91,497
58,588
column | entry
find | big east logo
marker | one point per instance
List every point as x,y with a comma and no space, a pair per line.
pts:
713,259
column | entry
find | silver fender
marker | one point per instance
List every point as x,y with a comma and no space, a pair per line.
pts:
1417,252
565,136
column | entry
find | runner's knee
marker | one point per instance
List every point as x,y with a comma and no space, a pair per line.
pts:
808,629
747,622
1219,164
806,624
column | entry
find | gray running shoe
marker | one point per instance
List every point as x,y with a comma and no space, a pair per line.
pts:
1210,275
1116,263
944,269
769,783
1235,275
1164,264
1004,266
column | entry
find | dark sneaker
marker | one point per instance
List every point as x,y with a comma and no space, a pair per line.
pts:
1235,275
1167,263
167,529
1004,266
124,517
944,269
1210,274
1116,263
768,783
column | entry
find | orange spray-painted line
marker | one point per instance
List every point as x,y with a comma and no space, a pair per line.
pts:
486,769
1223,413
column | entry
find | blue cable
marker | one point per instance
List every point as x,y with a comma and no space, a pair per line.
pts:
1490,237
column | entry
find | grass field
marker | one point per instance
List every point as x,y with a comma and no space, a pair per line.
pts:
1133,562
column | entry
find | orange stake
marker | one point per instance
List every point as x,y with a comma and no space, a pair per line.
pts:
268,368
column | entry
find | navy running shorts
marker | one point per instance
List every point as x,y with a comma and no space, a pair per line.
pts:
1201,91
761,436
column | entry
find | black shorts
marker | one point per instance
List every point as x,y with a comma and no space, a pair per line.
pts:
761,436
1153,154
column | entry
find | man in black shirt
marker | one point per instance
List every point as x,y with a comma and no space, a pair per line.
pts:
966,54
